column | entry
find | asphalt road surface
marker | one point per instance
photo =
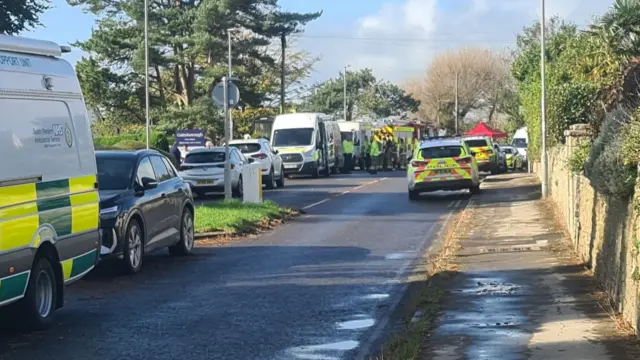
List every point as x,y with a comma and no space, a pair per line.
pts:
320,287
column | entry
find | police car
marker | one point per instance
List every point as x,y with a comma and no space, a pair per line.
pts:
442,164
485,153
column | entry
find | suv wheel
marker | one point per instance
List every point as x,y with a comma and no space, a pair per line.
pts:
280,181
316,172
475,189
271,180
133,248
239,190
185,245
414,195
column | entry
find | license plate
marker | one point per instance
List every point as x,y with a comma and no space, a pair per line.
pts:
441,171
204,182
290,166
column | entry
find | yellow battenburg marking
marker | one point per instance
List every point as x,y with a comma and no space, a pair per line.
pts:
85,217
86,198
10,195
67,266
8,213
82,184
17,233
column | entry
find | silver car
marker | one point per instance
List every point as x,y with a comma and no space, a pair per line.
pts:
203,169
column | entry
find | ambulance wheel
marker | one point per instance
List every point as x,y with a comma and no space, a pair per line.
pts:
475,189
334,170
327,171
316,172
39,303
414,195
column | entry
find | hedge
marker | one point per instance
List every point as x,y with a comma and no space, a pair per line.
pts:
131,145
158,140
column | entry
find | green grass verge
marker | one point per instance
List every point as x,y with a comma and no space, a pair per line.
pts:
409,344
233,216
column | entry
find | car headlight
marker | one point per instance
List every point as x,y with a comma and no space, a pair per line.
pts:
110,212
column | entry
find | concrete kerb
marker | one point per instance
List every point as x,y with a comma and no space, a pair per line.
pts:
403,308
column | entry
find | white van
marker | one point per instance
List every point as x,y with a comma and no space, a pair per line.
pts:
521,141
49,204
302,141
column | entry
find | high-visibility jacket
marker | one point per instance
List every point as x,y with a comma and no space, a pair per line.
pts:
375,149
347,147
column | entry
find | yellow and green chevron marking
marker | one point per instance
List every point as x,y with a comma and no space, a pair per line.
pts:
13,286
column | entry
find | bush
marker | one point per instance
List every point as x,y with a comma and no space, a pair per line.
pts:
158,140
578,158
605,167
129,145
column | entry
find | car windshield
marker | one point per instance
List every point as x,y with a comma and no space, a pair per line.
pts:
438,152
292,137
114,173
520,143
247,148
476,143
507,150
204,157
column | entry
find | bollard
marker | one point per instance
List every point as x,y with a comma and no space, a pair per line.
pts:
252,183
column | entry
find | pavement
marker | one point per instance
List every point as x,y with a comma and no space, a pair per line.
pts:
520,294
323,286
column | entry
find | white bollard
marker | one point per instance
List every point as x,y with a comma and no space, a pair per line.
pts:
252,183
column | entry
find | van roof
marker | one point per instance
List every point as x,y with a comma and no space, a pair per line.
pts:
23,45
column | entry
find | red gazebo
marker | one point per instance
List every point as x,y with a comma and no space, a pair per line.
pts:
483,129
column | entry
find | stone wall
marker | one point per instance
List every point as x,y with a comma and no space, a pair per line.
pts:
602,228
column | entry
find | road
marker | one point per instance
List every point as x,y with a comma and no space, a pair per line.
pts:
320,287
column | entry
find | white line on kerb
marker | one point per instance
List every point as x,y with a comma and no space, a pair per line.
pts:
457,203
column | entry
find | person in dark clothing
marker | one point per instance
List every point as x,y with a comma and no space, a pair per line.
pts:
175,152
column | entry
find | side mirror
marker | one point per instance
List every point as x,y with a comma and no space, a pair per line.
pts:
473,153
251,160
276,151
149,183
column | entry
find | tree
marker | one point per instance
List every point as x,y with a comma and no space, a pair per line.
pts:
483,82
365,96
19,15
282,24
188,55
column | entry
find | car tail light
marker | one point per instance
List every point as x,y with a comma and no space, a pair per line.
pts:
418,163
259,156
465,160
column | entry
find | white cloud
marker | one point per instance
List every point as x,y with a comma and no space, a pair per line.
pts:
399,39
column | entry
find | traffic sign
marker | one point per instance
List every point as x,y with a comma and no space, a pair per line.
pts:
217,95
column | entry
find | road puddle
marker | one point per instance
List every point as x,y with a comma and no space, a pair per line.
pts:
356,324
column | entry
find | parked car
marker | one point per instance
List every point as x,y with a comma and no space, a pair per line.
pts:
268,158
144,206
515,160
203,170
502,159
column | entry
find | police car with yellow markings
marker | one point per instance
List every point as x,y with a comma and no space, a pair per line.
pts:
442,164
49,204
485,153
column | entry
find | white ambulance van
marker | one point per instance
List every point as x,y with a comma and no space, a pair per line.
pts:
49,204
302,140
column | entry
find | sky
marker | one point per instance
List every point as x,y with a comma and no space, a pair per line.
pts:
395,38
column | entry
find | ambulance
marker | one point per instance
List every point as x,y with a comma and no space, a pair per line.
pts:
49,203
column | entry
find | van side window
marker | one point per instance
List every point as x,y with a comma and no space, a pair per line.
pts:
145,170
38,137
160,169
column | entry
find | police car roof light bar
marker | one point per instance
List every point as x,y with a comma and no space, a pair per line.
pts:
23,45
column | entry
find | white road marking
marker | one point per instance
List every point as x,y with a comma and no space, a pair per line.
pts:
315,204
344,192
457,203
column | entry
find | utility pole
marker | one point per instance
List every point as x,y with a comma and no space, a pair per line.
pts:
345,92
283,46
229,75
227,138
456,133
543,106
146,72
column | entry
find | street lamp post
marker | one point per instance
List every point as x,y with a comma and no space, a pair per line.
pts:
146,71
543,105
345,91
229,75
